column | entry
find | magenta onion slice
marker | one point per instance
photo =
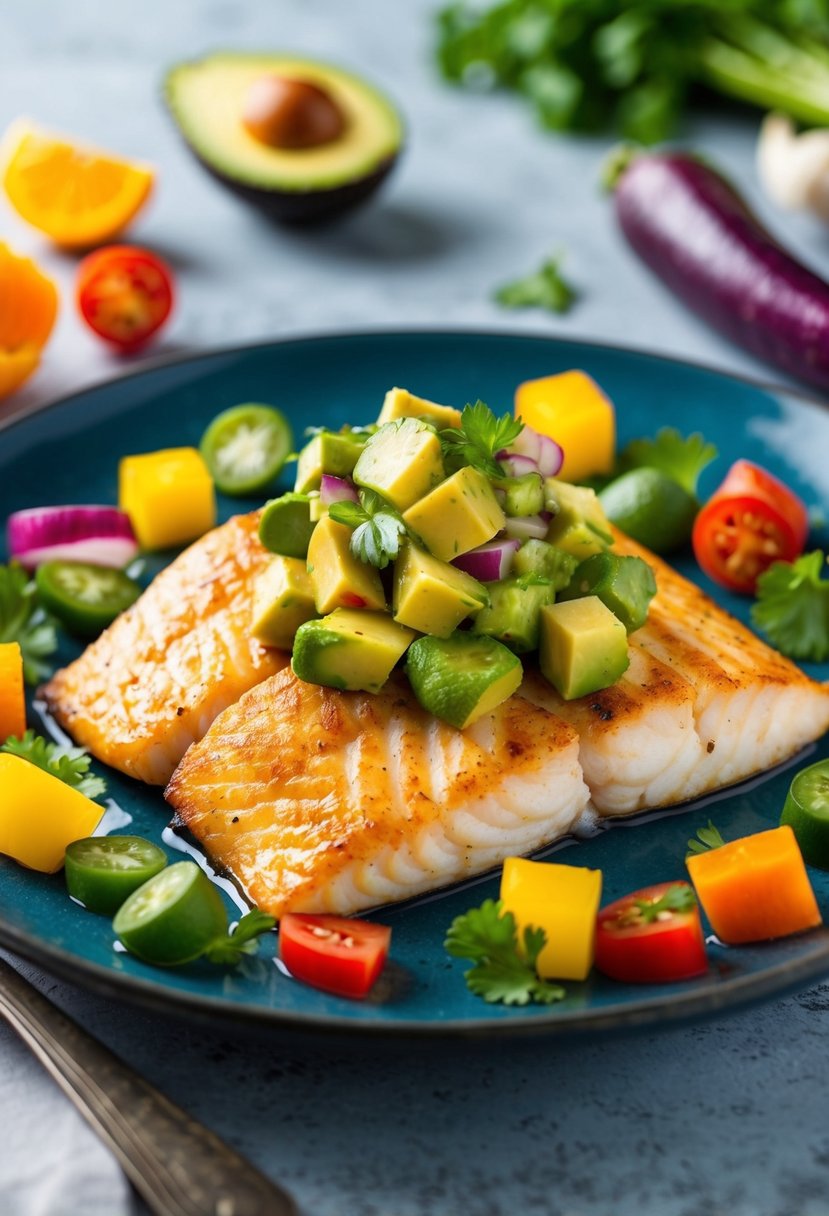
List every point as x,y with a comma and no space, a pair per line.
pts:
337,489
489,562
550,457
528,527
516,466
101,535
528,443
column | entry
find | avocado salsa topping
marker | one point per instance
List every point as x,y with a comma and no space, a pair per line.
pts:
431,538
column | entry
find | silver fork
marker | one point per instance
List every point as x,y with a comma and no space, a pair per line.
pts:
177,1165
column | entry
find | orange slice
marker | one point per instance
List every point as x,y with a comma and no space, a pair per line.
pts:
76,195
16,366
28,307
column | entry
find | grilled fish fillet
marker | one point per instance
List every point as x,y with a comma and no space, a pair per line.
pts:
703,704
154,681
319,800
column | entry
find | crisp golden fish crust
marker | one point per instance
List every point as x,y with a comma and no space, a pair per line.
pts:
154,681
319,800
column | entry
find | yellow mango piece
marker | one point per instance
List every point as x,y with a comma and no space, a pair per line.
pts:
12,696
40,815
168,496
573,410
561,900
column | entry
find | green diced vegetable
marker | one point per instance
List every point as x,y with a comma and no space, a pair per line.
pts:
651,508
579,525
285,525
626,585
583,647
101,871
462,677
245,448
514,611
523,495
334,452
350,649
283,599
401,462
85,598
431,596
541,558
807,811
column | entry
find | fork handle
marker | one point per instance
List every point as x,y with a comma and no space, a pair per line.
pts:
178,1166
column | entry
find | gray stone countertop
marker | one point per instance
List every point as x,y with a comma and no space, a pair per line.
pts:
723,1117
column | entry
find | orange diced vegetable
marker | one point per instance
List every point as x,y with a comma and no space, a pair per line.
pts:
756,888
573,410
12,698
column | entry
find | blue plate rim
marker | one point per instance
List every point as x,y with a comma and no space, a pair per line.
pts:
665,1010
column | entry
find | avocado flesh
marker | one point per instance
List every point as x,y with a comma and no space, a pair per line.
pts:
283,599
339,579
400,403
625,585
579,525
328,453
541,558
431,596
206,99
458,515
285,525
350,650
583,647
462,677
402,462
513,614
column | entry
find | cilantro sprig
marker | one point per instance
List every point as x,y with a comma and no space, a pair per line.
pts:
543,288
22,621
792,607
678,898
378,528
504,968
480,436
680,458
705,840
242,940
68,764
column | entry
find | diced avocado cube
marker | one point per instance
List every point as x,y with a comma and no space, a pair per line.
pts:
462,677
583,647
349,649
432,596
579,525
626,585
514,611
402,462
459,514
523,495
545,560
285,525
315,507
327,452
400,403
339,579
283,599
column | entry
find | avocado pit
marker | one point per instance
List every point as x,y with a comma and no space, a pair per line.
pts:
282,112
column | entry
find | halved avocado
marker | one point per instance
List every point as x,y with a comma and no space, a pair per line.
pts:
207,99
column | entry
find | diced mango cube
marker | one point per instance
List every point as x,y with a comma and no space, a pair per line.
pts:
12,696
168,496
40,815
573,410
561,900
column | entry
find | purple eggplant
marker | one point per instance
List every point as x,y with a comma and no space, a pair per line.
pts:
700,237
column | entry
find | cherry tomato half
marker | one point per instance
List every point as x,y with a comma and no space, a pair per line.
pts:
752,520
652,936
332,953
124,294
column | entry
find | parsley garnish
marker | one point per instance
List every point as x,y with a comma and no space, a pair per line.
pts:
544,288
22,621
378,528
68,764
792,607
679,458
706,839
678,898
242,940
504,971
480,436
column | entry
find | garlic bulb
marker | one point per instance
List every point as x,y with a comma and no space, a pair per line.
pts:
794,169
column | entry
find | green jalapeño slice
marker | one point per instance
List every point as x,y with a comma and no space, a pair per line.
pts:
102,871
173,918
84,598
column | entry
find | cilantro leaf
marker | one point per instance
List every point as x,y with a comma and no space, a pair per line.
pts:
68,764
480,436
243,939
378,528
792,607
22,621
504,971
679,458
706,839
678,898
544,288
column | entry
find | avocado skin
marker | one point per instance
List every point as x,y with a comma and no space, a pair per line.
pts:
303,207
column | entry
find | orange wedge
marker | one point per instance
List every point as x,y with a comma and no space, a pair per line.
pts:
76,195
16,366
28,307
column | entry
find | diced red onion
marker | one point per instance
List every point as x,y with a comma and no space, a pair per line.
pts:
489,562
528,443
528,527
550,458
516,466
101,535
337,489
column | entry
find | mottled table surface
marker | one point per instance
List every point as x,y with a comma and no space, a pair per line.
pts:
722,1117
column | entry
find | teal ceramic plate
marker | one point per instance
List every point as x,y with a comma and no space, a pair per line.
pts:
69,453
